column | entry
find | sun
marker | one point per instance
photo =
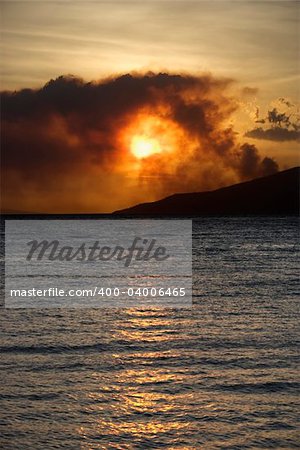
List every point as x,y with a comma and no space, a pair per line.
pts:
142,146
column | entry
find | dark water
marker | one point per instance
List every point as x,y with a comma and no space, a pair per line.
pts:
220,375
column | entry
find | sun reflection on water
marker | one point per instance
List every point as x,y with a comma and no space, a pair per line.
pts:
137,402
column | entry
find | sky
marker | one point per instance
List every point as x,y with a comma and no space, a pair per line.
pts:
252,45
255,42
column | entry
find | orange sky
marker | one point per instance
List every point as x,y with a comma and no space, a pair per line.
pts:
78,147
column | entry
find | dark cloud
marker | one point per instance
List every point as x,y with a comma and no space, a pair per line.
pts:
274,134
278,119
252,165
63,146
279,126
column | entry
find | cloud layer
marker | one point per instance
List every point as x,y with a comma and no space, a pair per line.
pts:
66,146
276,134
279,126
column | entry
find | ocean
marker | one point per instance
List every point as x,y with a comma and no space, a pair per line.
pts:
220,374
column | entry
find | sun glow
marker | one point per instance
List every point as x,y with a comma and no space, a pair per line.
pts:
142,146
152,143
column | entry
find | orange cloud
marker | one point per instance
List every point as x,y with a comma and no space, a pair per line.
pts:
73,146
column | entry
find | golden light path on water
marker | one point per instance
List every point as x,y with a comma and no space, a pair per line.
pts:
220,374
135,410
153,396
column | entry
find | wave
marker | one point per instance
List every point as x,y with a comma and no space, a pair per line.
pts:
267,387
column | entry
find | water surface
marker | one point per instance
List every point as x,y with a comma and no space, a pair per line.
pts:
219,375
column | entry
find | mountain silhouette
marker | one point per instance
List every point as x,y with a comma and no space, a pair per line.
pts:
276,194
